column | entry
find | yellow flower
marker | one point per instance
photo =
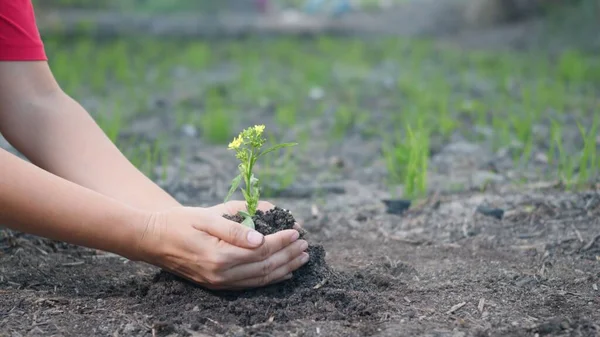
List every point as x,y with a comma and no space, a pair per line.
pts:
259,129
235,143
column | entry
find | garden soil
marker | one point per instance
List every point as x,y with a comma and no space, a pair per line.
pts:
439,269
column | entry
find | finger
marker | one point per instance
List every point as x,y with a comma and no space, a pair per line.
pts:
285,278
230,231
273,243
265,206
268,265
275,276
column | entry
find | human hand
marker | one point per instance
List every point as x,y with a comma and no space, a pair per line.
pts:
199,244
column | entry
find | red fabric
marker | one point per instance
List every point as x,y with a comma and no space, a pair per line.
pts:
19,36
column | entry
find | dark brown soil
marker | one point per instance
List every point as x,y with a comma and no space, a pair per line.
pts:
316,292
315,272
461,273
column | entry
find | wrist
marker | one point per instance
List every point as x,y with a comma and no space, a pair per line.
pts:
130,243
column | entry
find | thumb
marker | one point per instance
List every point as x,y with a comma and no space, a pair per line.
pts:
232,232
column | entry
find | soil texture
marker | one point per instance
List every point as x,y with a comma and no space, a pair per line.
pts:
350,296
459,273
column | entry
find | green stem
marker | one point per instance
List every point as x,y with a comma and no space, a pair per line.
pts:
250,203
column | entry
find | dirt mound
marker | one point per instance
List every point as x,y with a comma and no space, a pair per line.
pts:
351,297
317,292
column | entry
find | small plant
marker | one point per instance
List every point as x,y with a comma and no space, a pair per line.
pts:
565,162
247,146
587,160
407,160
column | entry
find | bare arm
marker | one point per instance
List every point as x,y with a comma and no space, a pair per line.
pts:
38,202
55,133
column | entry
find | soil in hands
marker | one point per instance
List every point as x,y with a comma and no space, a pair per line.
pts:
316,292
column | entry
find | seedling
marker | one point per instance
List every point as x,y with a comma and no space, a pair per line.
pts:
247,146
407,160
587,160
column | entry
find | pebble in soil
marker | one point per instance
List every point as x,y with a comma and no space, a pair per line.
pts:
316,292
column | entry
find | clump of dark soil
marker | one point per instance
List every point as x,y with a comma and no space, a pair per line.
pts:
278,219
316,292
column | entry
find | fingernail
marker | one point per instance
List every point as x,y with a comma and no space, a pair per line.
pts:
304,258
288,276
304,245
295,236
255,238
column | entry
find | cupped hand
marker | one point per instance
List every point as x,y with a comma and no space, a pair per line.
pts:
199,244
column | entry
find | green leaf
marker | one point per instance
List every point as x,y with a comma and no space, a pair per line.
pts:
248,222
246,195
276,147
253,181
244,214
234,185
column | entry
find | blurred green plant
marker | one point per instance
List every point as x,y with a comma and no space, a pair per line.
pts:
407,159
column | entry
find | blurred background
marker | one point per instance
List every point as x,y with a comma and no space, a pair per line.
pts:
376,91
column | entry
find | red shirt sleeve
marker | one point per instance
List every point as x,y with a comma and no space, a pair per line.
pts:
19,36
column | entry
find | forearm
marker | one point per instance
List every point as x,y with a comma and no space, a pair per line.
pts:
56,133
38,202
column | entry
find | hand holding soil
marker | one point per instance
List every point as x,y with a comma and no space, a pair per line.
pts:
201,245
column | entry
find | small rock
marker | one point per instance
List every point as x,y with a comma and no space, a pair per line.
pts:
497,213
314,211
525,281
541,158
396,206
361,217
337,162
189,130
316,93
